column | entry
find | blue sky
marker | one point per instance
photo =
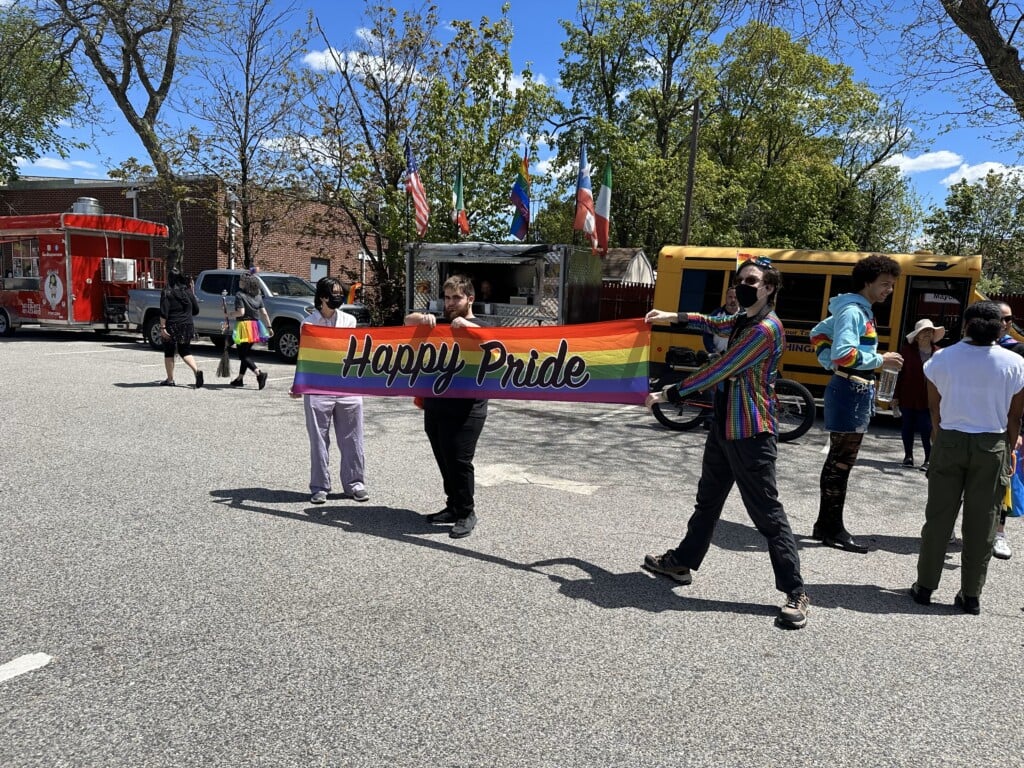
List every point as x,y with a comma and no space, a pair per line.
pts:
935,161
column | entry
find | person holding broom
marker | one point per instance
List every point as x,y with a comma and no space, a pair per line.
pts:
249,330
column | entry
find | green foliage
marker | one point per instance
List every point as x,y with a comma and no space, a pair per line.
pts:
455,101
985,217
37,91
793,152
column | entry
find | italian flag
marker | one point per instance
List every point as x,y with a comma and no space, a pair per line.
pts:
603,209
459,217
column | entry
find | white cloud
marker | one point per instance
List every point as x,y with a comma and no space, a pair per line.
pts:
56,164
929,161
517,81
323,61
973,173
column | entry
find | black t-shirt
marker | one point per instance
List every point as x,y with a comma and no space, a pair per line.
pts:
251,304
177,305
456,407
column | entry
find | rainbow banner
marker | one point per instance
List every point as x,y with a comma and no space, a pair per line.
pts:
592,362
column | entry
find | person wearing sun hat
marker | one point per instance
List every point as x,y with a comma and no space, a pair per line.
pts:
911,393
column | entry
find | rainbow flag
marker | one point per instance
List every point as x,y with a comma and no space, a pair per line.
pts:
587,363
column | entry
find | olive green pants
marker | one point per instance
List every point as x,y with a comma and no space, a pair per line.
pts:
972,467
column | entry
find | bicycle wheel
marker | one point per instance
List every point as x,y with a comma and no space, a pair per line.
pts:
795,409
681,416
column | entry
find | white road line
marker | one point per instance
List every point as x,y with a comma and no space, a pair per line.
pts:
77,352
23,664
616,412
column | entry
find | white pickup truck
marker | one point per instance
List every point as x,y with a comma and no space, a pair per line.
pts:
288,299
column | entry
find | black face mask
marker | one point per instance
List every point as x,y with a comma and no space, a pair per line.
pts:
746,295
335,301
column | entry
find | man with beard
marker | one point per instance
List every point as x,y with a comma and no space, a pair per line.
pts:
453,425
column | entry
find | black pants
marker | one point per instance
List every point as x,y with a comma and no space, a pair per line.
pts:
750,465
246,363
453,436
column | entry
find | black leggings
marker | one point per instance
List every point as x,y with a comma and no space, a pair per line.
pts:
244,350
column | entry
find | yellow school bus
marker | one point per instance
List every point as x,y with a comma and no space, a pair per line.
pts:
695,279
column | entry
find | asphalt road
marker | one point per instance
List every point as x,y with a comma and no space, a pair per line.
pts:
159,547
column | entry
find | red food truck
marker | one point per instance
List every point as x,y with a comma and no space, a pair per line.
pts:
74,269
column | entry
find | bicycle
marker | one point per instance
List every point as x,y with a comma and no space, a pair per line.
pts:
795,409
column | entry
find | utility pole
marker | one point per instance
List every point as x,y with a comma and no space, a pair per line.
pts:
688,201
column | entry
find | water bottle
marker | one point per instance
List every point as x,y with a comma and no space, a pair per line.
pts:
887,383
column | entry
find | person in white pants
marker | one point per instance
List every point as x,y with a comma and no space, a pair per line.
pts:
344,411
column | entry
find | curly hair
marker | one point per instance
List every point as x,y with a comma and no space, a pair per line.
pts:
870,268
982,322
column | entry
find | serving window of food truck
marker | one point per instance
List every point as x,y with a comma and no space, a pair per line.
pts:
514,284
695,279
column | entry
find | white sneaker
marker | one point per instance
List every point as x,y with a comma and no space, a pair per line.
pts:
1001,548
320,497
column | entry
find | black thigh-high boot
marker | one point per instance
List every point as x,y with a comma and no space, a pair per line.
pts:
835,474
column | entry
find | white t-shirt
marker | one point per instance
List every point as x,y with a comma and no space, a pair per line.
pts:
339,320
976,385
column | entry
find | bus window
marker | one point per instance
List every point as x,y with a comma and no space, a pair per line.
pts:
942,301
702,290
799,303
883,311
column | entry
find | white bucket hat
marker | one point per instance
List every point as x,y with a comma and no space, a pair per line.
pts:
922,325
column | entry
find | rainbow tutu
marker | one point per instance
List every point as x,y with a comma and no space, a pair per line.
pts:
250,332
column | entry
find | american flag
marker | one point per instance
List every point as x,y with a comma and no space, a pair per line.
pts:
414,186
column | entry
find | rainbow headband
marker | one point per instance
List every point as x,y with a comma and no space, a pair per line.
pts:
592,362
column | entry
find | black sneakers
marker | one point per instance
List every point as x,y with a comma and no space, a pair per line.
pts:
793,615
971,605
199,379
261,379
237,383
444,517
921,595
661,565
463,527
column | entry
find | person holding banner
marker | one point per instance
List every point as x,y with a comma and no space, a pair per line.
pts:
249,310
344,411
741,447
453,425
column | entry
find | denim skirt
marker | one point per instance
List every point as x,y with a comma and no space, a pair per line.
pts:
849,406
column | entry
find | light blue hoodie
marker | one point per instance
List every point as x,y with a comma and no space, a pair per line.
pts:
847,338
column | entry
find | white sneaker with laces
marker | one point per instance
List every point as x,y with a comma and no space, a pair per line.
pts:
320,497
1001,548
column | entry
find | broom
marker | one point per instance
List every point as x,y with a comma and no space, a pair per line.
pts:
224,369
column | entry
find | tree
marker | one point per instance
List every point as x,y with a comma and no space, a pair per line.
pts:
37,92
245,108
966,47
793,151
454,101
985,217
632,71
133,49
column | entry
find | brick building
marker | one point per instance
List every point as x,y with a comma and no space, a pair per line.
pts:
283,244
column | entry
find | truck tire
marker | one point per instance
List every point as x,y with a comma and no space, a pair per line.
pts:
286,341
151,330
6,326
